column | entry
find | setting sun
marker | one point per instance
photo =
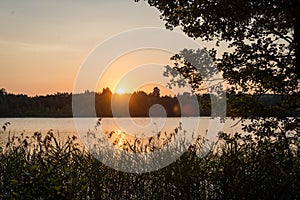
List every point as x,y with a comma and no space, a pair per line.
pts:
120,91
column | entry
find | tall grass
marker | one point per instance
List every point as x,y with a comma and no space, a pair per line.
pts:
43,167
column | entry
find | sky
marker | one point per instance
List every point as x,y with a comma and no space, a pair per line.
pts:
43,43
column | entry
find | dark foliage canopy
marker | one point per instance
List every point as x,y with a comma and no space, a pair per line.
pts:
262,37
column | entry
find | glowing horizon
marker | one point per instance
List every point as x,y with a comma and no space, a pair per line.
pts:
41,52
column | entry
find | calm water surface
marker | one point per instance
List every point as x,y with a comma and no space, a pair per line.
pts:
65,127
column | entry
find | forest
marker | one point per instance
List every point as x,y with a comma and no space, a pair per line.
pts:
139,103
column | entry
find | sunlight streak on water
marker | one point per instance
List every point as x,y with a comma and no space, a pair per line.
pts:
65,127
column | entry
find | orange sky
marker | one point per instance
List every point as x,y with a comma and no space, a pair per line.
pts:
44,43
138,70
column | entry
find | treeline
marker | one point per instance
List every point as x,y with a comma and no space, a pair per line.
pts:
21,105
107,104
138,104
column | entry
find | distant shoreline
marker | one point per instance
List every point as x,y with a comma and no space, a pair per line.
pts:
140,104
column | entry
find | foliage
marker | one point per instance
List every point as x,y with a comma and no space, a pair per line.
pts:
263,35
259,53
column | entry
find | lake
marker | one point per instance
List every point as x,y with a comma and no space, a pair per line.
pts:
140,127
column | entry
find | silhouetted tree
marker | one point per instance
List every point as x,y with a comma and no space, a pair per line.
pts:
156,92
262,39
60,104
261,34
3,92
106,92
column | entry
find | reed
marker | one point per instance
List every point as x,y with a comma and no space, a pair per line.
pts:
44,167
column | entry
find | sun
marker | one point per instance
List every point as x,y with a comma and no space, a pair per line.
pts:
120,91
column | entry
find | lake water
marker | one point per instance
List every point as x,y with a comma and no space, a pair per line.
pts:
140,127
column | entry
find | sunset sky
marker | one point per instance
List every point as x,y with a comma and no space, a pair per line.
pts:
43,43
